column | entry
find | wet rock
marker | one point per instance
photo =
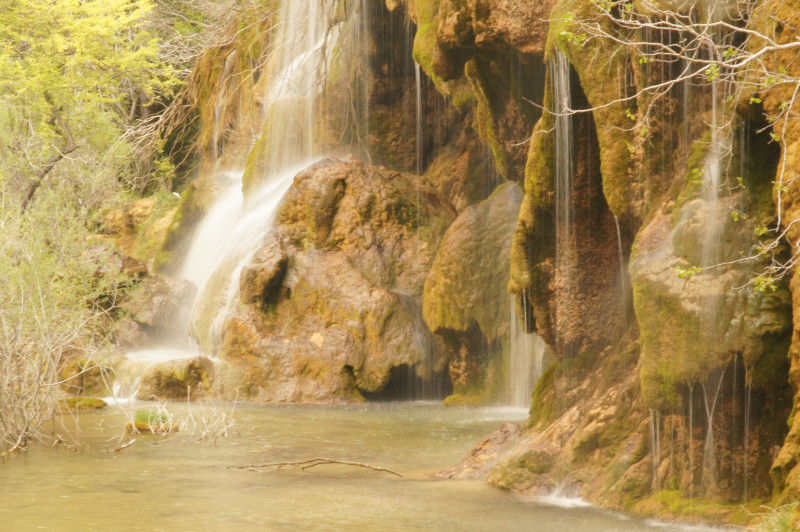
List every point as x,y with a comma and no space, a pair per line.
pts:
261,278
131,335
485,455
330,305
469,276
177,379
73,404
87,375
157,303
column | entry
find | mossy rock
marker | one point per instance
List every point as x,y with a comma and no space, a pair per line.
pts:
147,428
72,404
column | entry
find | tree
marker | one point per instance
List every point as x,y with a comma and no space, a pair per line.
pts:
72,72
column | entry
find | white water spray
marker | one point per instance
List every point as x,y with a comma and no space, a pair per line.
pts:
527,353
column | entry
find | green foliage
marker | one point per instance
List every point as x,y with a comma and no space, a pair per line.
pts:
776,519
55,299
73,72
687,273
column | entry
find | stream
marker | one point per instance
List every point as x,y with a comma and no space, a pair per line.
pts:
172,483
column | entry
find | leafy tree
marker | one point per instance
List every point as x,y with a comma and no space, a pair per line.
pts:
72,73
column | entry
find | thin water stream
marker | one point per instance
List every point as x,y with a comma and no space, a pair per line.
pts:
175,485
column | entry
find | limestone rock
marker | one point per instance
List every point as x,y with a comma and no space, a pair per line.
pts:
329,307
469,276
131,335
177,379
261,278
485,455
694,325
114,265
158,302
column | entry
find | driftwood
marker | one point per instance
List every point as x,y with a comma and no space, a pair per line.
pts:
125,445
306,464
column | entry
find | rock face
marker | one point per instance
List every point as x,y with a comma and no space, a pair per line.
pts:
329,306
670,369
156,308
488,56
693,357
466,296
177,379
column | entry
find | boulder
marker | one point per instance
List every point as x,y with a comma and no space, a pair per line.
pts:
177,379
466,298
330,306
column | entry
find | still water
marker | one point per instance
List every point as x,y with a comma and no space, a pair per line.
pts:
171,483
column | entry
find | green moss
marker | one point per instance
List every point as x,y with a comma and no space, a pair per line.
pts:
693,183
82,403
467,399
537,462
542,411
194,203
673,349
671,503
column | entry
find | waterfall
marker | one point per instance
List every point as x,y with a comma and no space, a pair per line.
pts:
302,44
747,403
709,471
564,163
623,285
655,446
527,353
243,234
234,227
418,79
564,180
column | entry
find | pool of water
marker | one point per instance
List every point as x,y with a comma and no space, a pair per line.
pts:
172,483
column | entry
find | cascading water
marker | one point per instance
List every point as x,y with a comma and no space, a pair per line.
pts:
418,80
623,284
302,41
564,176
233,228
527,354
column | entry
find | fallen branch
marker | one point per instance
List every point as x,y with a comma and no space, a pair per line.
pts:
125,445
306,464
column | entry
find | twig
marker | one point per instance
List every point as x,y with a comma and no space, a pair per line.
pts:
306,464
125,445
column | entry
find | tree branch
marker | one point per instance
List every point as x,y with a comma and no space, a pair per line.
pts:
306,464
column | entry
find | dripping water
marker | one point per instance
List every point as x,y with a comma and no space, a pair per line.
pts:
747,404
655,442
564,178
623,285
527,353
709,471
418,79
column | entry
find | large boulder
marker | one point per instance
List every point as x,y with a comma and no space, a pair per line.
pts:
330,306
466,296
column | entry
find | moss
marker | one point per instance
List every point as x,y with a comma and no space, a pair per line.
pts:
467,399
673,348
602,68
194,203
537,462
671,504
81,403
542,411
